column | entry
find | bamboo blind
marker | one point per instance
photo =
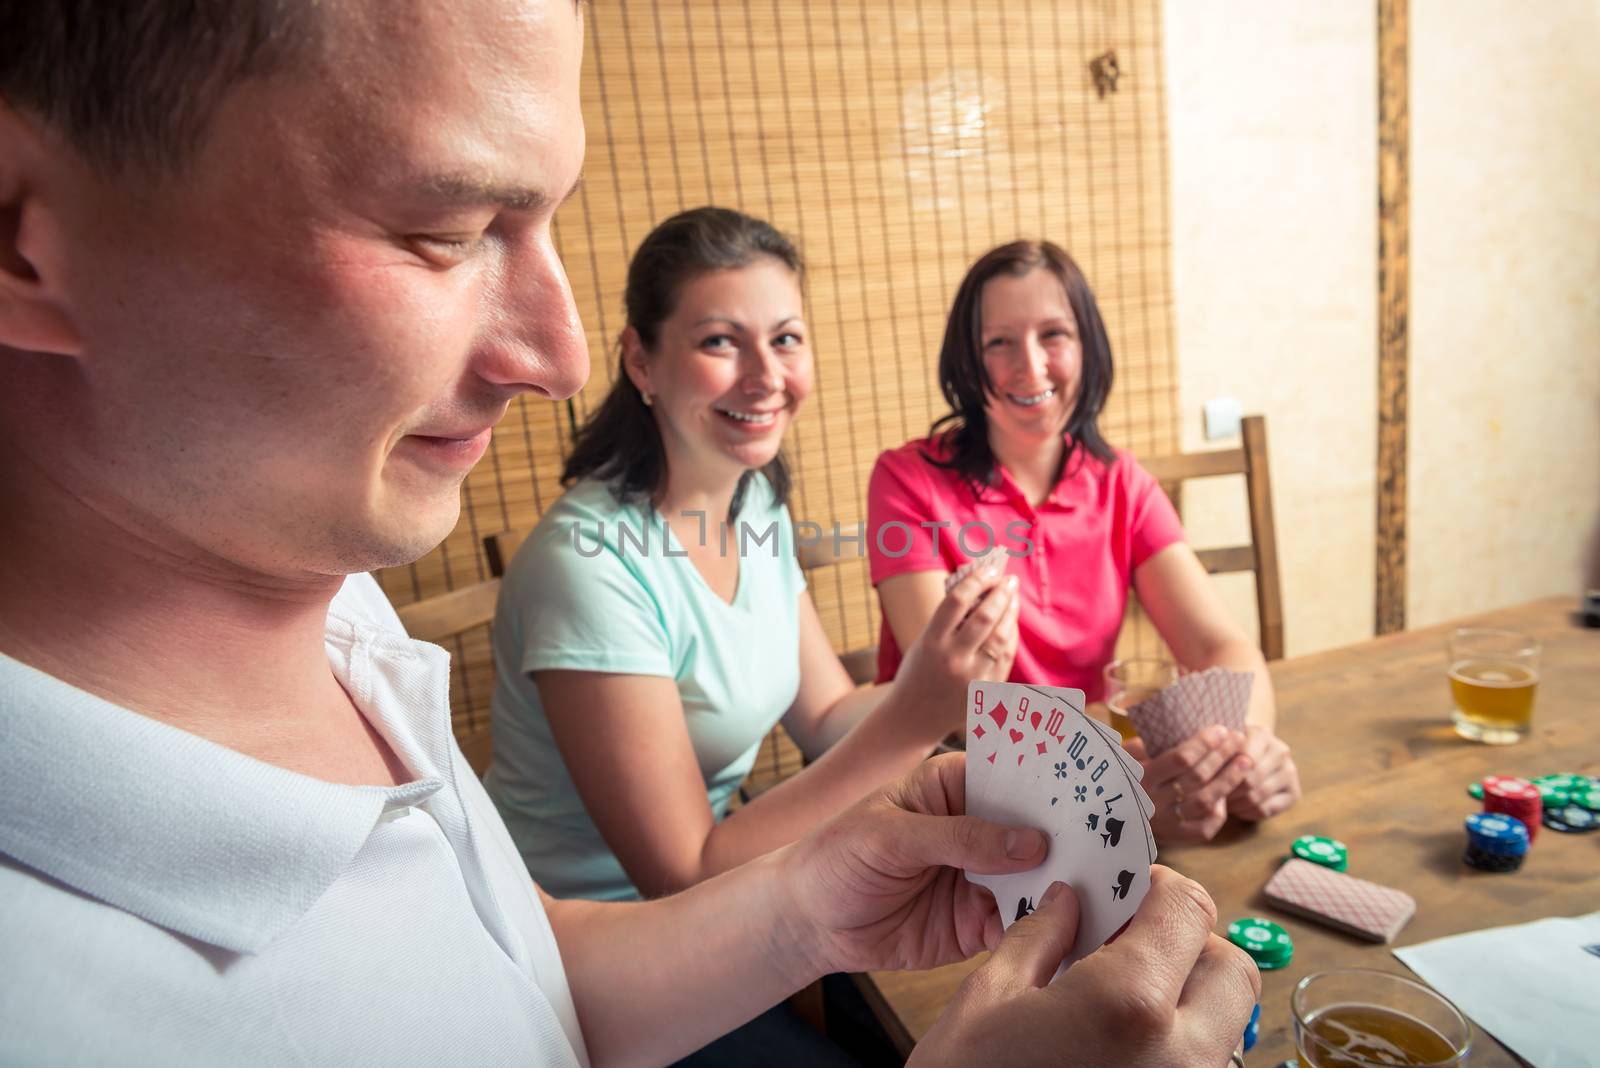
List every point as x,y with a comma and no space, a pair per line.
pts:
897,140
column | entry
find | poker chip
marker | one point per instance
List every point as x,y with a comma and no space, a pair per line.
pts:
1553,795
1571,819
1496,834
1329,852
1268,944
1587,797
1475,791
1497,862
1565,779
1518,798
1252,1030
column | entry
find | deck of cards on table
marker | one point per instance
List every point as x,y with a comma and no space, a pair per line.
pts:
1035,760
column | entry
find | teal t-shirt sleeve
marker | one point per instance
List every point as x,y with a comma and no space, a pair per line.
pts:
585,609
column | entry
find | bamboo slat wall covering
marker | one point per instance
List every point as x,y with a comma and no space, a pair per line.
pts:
897,140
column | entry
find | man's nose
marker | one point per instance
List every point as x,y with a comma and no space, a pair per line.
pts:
537,340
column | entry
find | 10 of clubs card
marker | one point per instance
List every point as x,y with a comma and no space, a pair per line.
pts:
1035,760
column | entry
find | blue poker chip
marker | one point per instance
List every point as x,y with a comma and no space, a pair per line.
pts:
1492,832
1571,819
1252,1031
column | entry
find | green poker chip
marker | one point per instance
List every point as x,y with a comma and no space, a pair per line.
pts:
1476,791
1329,852
1586,797
1554,795
1268,944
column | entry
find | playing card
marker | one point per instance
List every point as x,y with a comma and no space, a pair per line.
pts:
1060,774
1134,769
1135,779
1195,701
1004,724
972,564
1340,901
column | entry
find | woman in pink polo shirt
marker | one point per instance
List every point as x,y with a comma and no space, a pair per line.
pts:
1019,461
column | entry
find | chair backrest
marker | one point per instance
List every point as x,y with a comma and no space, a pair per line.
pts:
448,619
826,551
498,549
1261,555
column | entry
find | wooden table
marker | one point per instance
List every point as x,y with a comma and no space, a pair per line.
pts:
1383,772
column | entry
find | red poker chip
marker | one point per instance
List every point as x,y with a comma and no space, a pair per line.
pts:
1526,812
1511,788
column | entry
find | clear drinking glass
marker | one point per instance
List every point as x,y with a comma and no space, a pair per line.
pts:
1130,681
1362,1018
1494,675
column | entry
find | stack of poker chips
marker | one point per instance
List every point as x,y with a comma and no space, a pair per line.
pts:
1517,798
1268,944
1329,852
1571,802
1495,841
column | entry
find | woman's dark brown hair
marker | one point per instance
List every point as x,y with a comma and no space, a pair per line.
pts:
966,385
620,443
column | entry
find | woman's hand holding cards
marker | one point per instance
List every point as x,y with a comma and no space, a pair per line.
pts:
1273,784
1165,991
972,635
1192,782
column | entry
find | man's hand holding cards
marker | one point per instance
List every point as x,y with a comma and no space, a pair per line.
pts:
1035,759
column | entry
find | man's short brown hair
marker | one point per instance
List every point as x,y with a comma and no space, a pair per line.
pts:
132,84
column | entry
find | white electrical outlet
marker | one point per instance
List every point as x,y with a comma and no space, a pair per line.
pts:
1222,415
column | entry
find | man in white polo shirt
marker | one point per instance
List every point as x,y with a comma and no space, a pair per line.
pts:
269,272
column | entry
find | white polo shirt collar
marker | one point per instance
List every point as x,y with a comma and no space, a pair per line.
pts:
205,841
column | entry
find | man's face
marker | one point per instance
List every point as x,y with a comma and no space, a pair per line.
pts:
293,352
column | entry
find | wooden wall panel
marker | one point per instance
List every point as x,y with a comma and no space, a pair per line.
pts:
897,140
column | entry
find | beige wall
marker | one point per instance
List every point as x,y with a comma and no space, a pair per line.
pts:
1273,127
1274,164
1505,277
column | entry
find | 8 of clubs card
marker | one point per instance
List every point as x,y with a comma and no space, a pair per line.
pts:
1034,759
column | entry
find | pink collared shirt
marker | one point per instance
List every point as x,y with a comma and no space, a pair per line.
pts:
1074,555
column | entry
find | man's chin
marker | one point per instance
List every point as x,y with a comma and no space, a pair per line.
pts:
402,534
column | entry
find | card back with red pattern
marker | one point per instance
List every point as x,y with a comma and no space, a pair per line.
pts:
1340,901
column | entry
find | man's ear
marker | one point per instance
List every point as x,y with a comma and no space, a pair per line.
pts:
34,314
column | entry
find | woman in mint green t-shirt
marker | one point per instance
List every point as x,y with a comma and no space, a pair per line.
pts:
655,625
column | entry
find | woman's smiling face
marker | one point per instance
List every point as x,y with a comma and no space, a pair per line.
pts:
731,366
1032,354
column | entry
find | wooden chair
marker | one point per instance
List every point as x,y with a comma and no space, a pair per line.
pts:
1261,555
861,664
446,619
498,549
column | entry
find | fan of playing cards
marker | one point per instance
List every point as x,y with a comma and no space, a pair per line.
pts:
1035,760
1197,700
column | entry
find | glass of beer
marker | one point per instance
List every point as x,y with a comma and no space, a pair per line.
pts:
1493,677
1130,681
1360,1018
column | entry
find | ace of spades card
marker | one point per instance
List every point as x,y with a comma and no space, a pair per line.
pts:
1035,760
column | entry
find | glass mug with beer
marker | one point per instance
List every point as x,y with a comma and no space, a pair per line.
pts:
1131,680
1363,1018
1493,677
